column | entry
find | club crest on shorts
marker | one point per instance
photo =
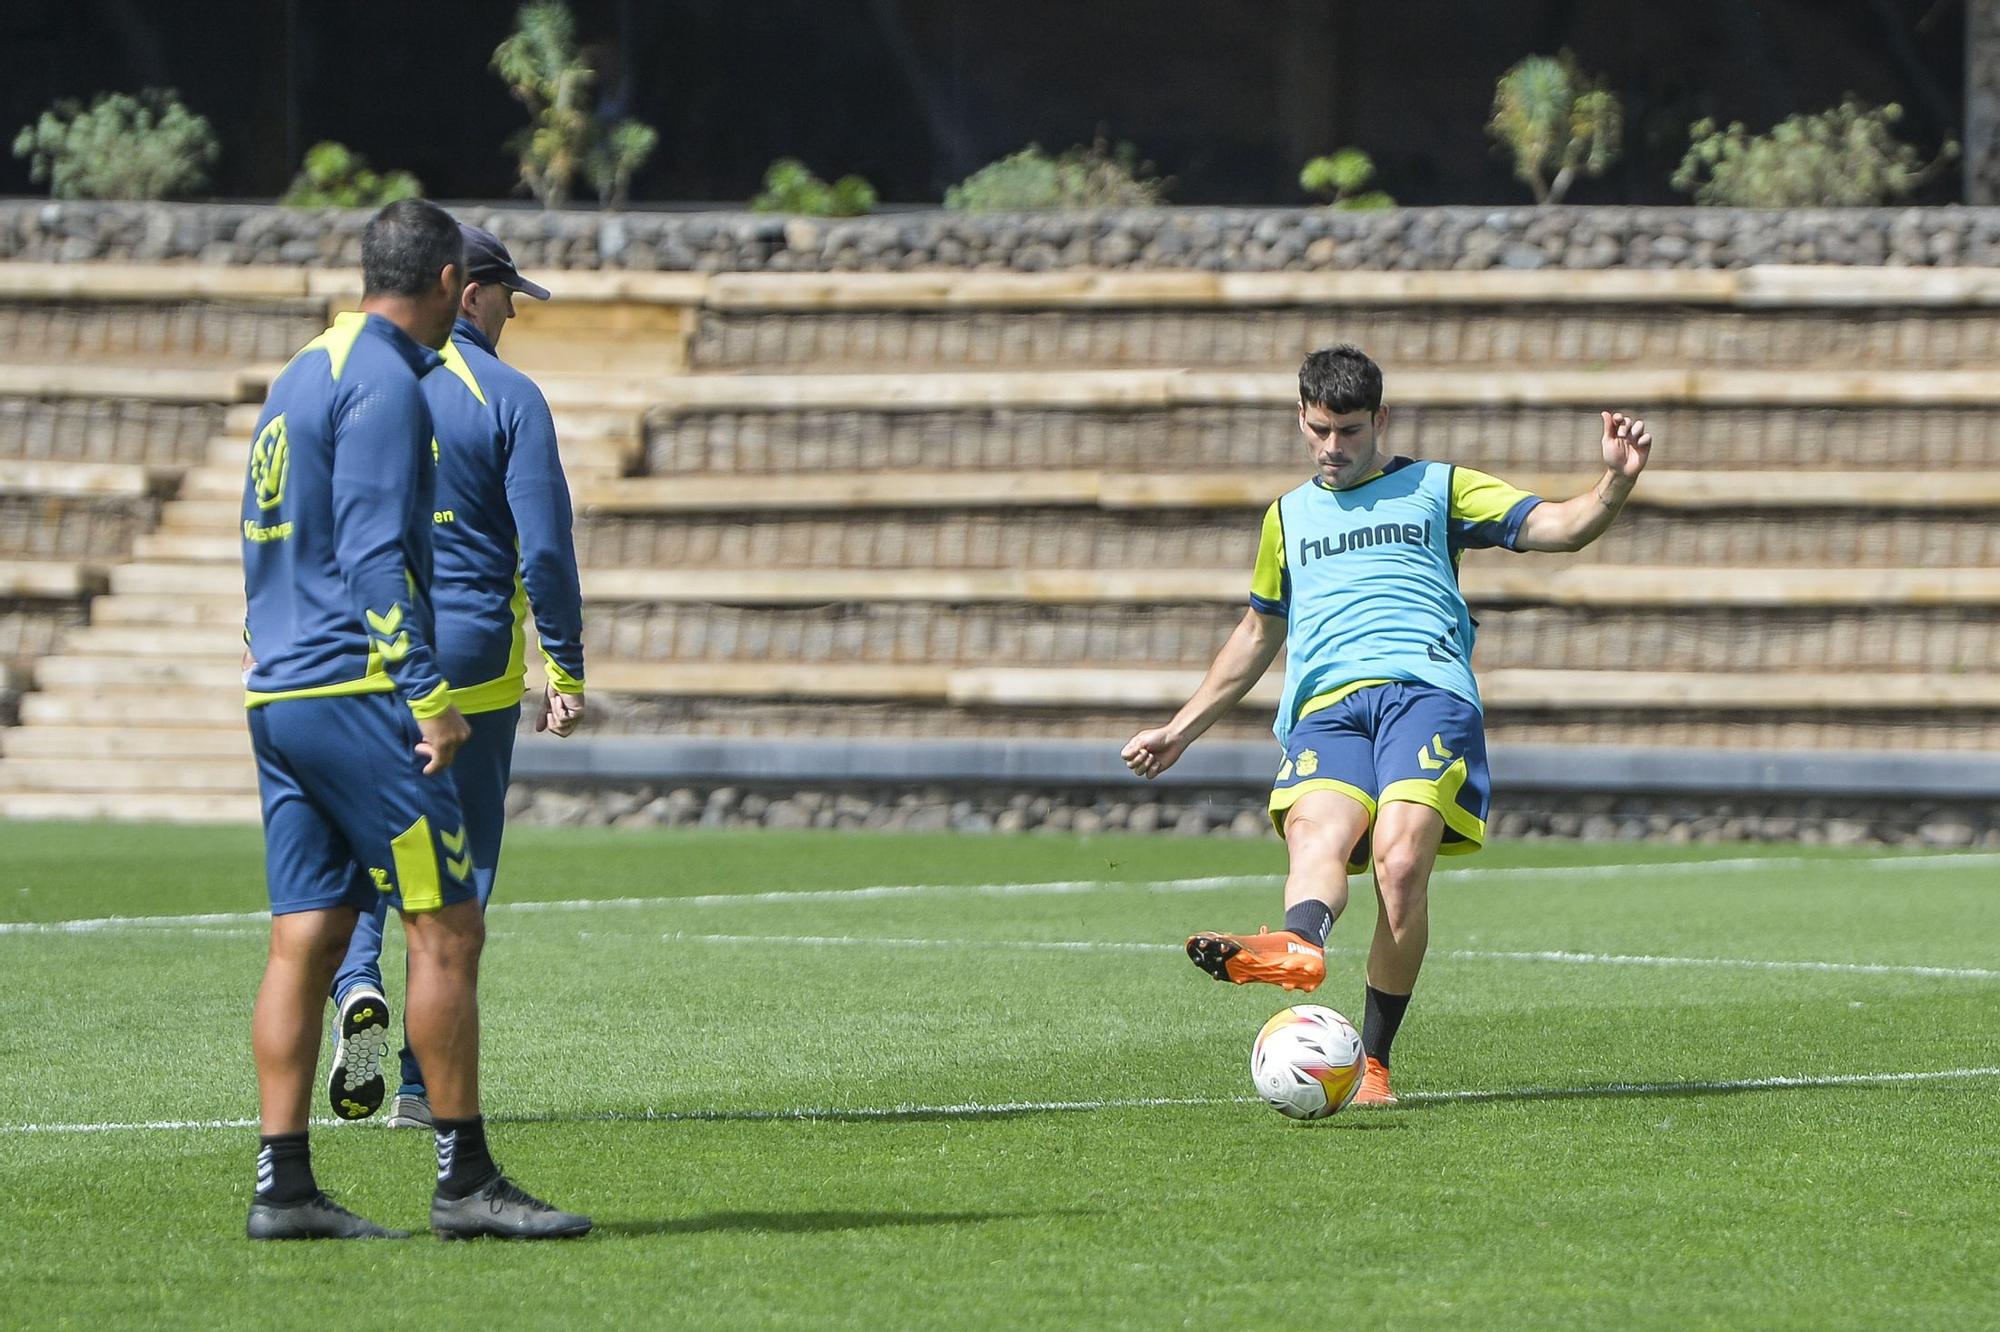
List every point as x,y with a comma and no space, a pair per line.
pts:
1308,762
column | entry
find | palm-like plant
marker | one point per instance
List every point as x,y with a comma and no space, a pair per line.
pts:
1557,123
540,62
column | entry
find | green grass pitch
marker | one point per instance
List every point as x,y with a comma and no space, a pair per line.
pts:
789,1103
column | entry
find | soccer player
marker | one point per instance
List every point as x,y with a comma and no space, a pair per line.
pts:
501,528
352,726
1385,748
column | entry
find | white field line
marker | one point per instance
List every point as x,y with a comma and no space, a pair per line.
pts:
1530,873
1824,1080
1460,954
1740,963
981,1109
864,941
1560,956
880,891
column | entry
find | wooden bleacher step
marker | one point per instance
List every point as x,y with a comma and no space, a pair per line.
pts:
132,706
130,806
95,776
130,743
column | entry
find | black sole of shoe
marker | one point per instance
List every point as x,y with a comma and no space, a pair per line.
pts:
366,1027
274,1224
1212,953
495,1235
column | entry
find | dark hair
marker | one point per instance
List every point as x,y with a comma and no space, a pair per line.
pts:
1341,379
406,246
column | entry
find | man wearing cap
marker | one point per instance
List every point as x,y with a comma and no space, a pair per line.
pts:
501,532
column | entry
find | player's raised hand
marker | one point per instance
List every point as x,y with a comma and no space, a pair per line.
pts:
1151,753
1627,444
443,734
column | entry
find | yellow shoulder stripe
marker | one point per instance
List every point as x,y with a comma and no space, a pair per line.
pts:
454,361
338,341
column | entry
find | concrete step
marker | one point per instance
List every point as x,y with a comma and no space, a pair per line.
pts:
149,706
53,579
224,547
230,776
577,417
210,514
1489,388
1407,337
148,382
180,579
858,494
79,480
131,806
220,641
209,609
213,482
69,672
1490,584
127,742
592,459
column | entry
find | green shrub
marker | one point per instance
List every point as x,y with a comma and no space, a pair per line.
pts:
1094,177
335,176
1557,123
1343,178
619,152
540,62
121,147
1844,157
789,187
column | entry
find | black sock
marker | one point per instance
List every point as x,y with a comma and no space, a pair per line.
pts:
1379,1022
1310,920
284,1169
464,1164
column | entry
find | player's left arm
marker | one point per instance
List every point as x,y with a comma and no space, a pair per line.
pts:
538,495
1572,524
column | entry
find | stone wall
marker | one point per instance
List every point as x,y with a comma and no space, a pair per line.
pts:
1239,813
1170,238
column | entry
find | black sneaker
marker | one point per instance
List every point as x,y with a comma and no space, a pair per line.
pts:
411,1110
355,1088
318,1217
501,1208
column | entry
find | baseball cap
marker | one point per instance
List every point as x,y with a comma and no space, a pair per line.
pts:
487,260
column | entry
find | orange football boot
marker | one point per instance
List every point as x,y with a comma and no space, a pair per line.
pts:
1274,959
1374,1084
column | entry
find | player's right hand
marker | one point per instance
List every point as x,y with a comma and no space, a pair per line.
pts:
443,734
1150,753
560,712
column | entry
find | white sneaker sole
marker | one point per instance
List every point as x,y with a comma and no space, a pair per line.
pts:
354,1086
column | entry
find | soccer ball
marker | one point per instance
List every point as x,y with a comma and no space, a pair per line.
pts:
1307,1062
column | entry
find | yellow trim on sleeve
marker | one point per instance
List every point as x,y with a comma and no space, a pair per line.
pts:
1442,796
1477,497
417,867
1268,580
432,704
502,692
560,680
517,606
506,689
